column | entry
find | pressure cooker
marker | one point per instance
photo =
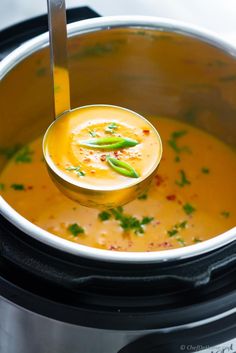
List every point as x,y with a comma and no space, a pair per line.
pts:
61,297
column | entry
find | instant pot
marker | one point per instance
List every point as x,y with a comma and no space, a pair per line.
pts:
60,297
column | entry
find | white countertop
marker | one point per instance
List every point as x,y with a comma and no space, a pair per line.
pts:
216,15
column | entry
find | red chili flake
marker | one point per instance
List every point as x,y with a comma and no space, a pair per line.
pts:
87,159
116,154
30,187
112,247
180,202
157,223
146,131
171,197
159,179
93,171
165,244
103,157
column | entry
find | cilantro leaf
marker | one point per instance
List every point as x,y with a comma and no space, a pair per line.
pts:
173,143
77,170
188,208
177,134
197,240
183,179
172,232
24,155
143,197
175,229
111,128
181,241
75,229
9,152
147,220
205,170
130,223
225,214
18,187
104,216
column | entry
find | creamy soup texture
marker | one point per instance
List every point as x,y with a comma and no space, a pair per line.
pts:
102,146
191,199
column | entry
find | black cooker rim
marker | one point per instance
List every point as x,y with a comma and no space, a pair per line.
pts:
117,319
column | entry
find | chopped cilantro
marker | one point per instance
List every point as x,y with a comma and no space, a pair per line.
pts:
104,216
182,225
41,71
217,63
24,155
143,197
172,232
75,229
225,214
147,220
177,159
175,229
183,179
9,152
197,240
92,133
128,222
173,142
77,170
98,49
205,170
228,78
181,241
2,186
188,208
18,187
111,128
177,134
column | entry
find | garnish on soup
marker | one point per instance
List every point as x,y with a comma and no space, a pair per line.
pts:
188,202
116,152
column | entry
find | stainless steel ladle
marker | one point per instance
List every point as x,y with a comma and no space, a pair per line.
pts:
86,195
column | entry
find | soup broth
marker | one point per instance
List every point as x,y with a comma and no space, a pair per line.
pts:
191,198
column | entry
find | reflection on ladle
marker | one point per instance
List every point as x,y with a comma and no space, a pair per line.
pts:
99,155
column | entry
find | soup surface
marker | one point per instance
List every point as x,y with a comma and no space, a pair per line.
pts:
102,146
191,199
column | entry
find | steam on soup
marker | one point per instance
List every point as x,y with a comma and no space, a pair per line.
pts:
191,199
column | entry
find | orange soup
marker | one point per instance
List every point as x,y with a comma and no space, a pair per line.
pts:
102,146
191,199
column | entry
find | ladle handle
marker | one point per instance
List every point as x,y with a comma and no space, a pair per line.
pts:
58,55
